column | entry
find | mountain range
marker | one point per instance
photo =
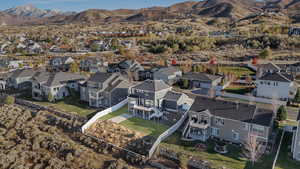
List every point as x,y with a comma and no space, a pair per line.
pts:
233,9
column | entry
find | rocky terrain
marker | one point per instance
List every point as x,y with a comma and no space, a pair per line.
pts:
41,140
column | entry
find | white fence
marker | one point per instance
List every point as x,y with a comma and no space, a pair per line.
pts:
251,98
167,133
103,113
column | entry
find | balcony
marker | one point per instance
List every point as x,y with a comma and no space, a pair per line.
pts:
201,125
141,107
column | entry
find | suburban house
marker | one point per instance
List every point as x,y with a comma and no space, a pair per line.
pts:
58,85
169,75
93,65
3,80
267,68
294,68
294,31
229,121
60,63
10,63
131,68
276,85
104,90
296,141
21,79
201,80
153,98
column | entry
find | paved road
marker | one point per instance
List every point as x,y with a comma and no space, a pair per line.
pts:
121,118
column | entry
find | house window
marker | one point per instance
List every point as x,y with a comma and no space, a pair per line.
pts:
235,135
258,129
245,126
220,121
261,83
215,131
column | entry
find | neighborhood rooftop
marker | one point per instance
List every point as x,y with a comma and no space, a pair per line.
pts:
200,76
231,110
152,85
280,77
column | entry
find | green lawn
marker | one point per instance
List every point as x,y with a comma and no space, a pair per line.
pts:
69,104
238,89
285,160
145,126
119,112
237,71
233,159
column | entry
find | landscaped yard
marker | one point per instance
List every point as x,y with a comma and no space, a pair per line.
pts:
69,104
237,71
285,160
145,126
119,112
238,89
234,159
231,160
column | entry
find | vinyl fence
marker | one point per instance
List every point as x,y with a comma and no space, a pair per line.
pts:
103,113
167,133
251,98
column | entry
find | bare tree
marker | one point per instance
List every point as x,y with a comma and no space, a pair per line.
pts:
253,148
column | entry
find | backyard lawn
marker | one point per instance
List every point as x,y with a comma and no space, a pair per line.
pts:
145,126
231,160
119,112
238,89
69,104
234,159
237,71
285,160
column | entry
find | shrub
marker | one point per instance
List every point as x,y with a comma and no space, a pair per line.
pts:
9,100
297,96
281,113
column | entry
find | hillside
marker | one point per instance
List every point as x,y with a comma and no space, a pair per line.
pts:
232,9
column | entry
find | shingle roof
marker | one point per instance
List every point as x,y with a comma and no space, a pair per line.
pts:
225,109
270,66
152,85
277,76
23,73
172,95
200,76
56,78
263,117
100,77
235,111
168,70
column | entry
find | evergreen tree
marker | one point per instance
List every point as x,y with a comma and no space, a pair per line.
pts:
297,97
281,113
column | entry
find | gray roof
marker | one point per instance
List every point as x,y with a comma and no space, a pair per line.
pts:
231,110
23,73
263,117
279,77
152,85
100,77
200,76
172,95
57,78
168,70
269,66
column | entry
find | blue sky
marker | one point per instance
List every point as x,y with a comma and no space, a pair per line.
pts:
79,5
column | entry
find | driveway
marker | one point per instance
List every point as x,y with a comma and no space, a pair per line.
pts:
121,118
